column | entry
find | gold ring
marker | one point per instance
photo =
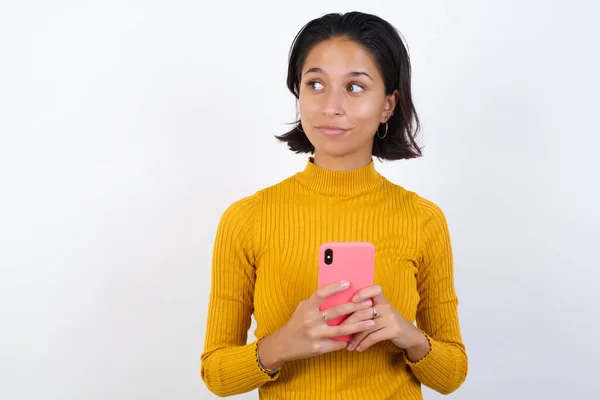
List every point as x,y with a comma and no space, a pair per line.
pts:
325,317
375,315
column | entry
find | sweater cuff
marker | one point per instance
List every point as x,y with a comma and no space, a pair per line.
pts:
436,366
249,362
241,371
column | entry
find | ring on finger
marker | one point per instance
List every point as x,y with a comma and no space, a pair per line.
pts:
325,317
375,314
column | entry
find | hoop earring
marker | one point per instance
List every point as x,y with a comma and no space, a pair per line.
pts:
298,127
386,131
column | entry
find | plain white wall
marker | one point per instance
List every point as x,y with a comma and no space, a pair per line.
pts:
128,127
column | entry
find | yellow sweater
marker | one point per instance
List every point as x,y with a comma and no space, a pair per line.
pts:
265,261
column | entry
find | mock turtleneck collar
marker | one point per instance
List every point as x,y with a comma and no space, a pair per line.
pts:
336,183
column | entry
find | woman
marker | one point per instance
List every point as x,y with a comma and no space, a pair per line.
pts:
351,75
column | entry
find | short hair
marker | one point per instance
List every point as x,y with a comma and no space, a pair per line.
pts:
385,45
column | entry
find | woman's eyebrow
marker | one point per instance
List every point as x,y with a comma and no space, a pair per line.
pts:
353,73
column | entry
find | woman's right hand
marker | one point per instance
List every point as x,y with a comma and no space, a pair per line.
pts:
307,334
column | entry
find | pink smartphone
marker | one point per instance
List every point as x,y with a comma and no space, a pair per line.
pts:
345,261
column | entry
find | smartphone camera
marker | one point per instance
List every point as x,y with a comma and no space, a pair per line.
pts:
328,256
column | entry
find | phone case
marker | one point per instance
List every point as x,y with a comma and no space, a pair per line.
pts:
351,261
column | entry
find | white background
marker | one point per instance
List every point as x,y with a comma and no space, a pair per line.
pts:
128,127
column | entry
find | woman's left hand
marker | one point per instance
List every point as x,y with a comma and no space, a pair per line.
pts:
390,325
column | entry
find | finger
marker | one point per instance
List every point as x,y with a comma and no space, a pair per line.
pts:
360,315
333,345
324,292
350,329
372,338
371,292
357,339
346,308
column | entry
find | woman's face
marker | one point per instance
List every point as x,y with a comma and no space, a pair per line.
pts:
342,99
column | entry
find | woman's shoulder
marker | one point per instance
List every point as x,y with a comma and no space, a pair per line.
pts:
251,200
241,209
421,205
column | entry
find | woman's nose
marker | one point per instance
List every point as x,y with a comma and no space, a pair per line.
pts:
333,104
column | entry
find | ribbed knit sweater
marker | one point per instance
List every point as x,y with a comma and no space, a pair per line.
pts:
265,261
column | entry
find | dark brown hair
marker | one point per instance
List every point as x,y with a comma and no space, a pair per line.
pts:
386,47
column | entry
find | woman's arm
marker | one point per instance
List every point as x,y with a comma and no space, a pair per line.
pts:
229,365
444,367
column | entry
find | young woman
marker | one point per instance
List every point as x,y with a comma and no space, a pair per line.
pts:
352,77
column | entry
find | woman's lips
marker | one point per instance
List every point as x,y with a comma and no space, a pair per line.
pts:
331,130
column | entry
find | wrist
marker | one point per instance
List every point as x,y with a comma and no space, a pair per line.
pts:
270,352
420,347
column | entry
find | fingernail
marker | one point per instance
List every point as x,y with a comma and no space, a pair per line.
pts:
344,284
350,347
358,348
355,298
366,303
370,323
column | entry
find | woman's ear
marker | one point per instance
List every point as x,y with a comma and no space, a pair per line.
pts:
390,105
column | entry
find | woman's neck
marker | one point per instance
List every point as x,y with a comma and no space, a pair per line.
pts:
345,163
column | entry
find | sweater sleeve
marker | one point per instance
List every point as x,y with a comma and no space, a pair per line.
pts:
228,364
444,368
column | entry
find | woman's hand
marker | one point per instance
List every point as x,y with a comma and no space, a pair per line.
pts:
307,334
389,325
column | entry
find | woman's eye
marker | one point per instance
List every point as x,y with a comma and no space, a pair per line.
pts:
355,88
316,85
